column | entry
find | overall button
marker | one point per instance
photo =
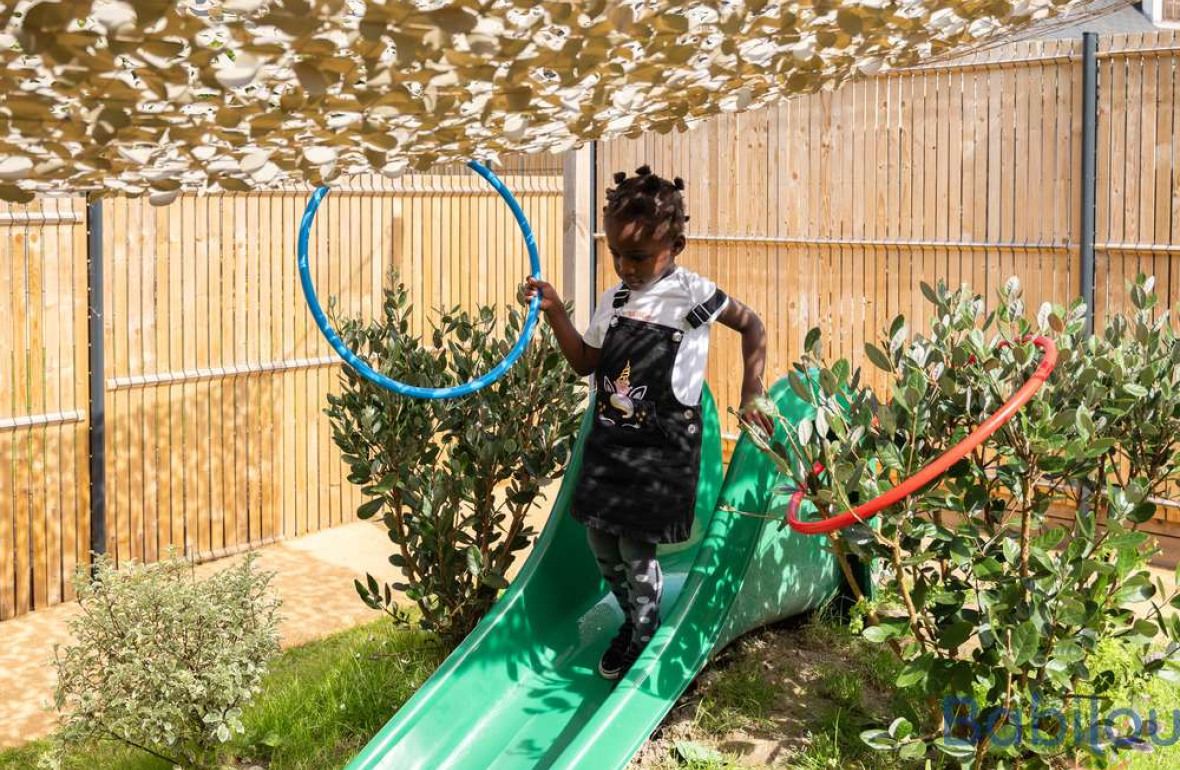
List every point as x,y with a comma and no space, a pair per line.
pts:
677,336
614,321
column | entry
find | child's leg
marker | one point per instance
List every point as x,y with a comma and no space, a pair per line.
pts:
645,580
605,547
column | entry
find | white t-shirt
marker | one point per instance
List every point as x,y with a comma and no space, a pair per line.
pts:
667,302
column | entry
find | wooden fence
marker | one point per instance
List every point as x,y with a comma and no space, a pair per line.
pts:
215,376
829,210
44,495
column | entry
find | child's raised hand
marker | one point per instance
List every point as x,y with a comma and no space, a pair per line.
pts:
531,286
750,413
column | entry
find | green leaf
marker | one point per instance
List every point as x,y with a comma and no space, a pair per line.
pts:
877,739
879,634
800,386
386,486
474,561
913,751
956,634
811,339
691,751
878,357
494,580
955,747
1142,512
896,326
988,569
370,509
1134,590
1025,642
916,671
1145,628
1135,389
901,728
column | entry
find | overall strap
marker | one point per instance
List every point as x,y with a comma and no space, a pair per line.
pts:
622,294
704,311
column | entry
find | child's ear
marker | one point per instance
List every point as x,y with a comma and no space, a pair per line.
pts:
678,245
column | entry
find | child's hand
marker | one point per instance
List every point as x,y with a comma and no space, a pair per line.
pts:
549,296
751,414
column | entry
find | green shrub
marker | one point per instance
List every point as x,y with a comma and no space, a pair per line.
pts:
162,661
996,601
453,480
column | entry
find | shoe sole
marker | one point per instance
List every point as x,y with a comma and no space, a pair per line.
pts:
608,675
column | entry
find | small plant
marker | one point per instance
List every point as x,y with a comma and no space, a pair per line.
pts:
164,662
996,608
452,480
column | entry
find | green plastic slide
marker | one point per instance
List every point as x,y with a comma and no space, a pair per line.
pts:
522,691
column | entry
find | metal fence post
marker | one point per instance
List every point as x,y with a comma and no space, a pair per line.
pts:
1089,163
97,388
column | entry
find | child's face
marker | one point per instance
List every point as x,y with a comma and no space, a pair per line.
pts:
642,253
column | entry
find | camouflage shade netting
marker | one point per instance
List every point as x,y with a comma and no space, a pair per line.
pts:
152,97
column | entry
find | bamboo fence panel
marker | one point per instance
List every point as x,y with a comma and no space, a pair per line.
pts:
219,441
44,501
216,377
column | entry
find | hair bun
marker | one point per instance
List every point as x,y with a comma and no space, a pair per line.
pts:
620,177
643,170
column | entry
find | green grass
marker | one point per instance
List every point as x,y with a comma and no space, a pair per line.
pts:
324,701
841,685
321,702
740,697
726,763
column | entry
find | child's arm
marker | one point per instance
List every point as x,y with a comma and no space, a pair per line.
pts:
582,357
747,323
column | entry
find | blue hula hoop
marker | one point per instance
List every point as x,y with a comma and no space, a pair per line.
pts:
388,383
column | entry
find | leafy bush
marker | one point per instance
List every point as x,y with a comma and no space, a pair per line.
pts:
985,595
162,661
454,479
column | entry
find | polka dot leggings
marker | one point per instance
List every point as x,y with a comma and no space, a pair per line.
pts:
633,573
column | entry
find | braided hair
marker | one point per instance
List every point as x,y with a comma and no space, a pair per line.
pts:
649,198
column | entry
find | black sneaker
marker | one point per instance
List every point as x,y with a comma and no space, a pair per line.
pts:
624,662
614,659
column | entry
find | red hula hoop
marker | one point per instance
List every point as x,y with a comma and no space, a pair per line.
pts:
939,466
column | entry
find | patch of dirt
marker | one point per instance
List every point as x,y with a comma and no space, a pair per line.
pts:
797,658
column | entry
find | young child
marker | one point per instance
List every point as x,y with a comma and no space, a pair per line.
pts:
647,346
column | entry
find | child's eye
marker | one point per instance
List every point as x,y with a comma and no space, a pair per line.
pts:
634,256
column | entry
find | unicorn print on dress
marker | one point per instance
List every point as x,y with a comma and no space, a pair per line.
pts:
623,399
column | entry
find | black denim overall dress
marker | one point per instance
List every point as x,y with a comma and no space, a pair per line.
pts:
642,457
